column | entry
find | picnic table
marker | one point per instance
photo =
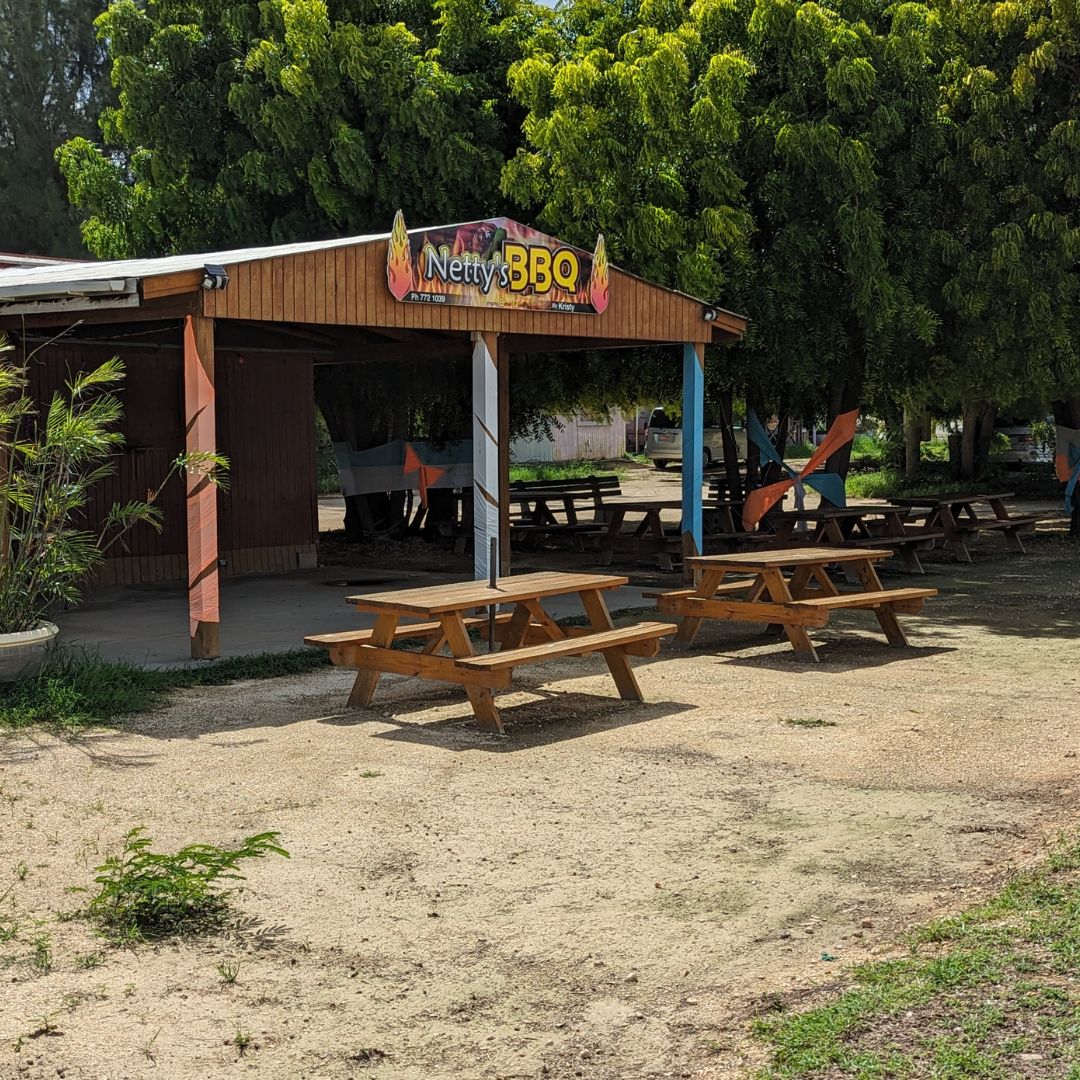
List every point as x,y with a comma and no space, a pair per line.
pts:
441,618
957,517
649,534
535,506
789,588
859,525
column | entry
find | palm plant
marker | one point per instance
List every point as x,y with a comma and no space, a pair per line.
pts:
49,465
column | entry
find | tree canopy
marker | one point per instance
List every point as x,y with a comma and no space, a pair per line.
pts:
889,190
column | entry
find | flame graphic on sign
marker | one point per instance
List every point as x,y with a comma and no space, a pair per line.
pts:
399,268
598,280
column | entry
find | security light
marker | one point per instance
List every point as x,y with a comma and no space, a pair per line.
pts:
214,277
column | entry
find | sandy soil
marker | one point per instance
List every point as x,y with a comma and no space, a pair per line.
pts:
610,892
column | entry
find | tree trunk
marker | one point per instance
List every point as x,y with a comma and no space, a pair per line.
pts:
356,414
913,422
731,448
984,439
842,398
754,401
969,438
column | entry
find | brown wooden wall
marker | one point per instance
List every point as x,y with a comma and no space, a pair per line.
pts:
347,286
266,425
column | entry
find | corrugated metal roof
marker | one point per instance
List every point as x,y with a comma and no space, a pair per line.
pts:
60,274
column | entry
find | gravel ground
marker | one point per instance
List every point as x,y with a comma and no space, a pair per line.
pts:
610,891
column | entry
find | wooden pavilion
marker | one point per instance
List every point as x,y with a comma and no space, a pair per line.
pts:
220,348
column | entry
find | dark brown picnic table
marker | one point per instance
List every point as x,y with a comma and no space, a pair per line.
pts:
957,517
789,588
649,534
858,525
527,635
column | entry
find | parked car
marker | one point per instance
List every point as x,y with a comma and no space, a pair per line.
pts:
1024,448
664,444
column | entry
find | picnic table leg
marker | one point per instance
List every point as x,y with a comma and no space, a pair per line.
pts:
952,534
1012,536
607,543
886,617
515,634
480,697
383,636
706,589
778,591
894,526
656,527
600,619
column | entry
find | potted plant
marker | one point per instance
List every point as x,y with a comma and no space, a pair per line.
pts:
50,461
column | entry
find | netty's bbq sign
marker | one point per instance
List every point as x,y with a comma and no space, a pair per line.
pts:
496,263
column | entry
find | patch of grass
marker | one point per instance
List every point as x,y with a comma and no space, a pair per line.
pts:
369,774
86,961
891,484
976,991
78,687
143,894
807,722
565,470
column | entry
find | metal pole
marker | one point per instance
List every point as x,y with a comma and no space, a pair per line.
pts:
492,582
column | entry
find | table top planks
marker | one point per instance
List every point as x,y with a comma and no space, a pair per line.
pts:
950,500
462,595
821,513
781,558
644,506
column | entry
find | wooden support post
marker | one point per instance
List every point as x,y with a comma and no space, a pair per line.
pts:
486,485
503,362
202,533
693,419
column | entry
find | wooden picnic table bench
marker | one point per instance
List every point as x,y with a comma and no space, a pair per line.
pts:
535,506
527,634
859,525
957,517
803,598
649,534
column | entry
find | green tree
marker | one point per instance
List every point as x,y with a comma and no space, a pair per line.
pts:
52,87
1008,212
242,122
764,153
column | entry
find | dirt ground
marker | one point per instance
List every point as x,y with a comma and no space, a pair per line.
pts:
610,891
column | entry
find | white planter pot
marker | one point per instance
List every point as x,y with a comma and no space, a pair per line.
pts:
22,654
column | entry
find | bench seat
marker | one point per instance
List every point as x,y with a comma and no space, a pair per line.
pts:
402,633
577,645
868,599
922,536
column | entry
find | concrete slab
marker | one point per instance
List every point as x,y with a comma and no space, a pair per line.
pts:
147,625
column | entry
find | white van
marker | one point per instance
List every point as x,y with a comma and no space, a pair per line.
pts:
664,442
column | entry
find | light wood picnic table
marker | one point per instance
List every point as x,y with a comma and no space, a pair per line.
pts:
859,525
527,634
957,517
789,588
648,535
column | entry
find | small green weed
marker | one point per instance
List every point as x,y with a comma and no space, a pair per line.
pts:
369,774
86,961
807,722
21,870
241,1040
144,894
41,957
228,970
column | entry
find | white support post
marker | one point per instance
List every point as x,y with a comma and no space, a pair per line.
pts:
485,398
693,419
